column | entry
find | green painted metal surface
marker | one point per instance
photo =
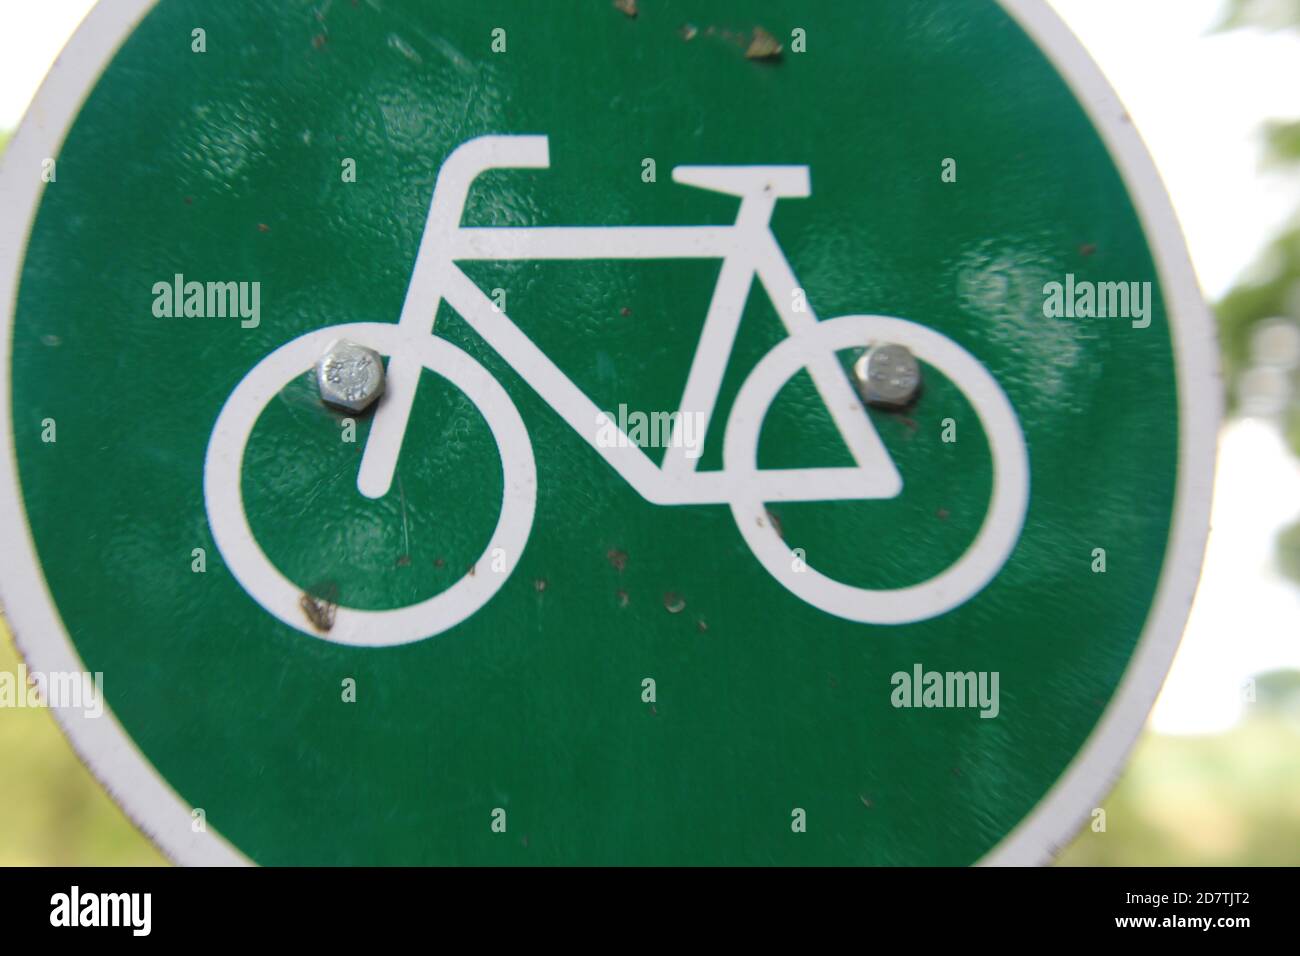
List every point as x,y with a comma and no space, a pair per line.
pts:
226,166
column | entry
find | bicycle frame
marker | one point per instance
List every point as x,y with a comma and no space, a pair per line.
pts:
748,250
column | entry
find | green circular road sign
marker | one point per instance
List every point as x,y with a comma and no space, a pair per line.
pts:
640,556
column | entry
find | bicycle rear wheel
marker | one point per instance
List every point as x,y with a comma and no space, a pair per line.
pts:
1002,522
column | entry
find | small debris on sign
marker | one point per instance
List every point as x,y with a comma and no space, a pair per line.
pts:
942,514
617,559
622,597
404,561
1087,249
540,585
776,525
318,41
626,6
763,46
319,611
472,569
674,603
438,562
703,626
865,802
263,227
625,312
689,31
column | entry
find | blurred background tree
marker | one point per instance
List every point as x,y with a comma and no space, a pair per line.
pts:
1259,317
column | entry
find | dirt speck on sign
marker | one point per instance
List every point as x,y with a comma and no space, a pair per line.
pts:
617,559
319,610
763,46
627,6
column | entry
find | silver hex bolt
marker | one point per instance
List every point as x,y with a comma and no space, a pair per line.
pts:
350,376
887,376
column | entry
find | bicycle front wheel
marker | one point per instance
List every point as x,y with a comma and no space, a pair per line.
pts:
264,582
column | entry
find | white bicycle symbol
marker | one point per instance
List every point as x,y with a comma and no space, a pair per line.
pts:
748,250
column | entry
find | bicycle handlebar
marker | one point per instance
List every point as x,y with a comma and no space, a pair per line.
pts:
474,157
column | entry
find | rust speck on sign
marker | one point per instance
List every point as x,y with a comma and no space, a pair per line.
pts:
318,610
763,46
627,6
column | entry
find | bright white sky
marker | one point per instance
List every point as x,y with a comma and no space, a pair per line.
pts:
1199,101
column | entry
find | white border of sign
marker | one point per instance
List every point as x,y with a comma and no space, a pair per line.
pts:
161,813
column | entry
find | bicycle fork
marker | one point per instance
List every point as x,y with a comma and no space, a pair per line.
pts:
424,294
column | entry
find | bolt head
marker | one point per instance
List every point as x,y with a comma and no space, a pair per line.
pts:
350,376
887,376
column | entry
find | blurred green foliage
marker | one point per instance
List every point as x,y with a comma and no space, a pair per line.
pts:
1273,290
1226,800
1270,14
